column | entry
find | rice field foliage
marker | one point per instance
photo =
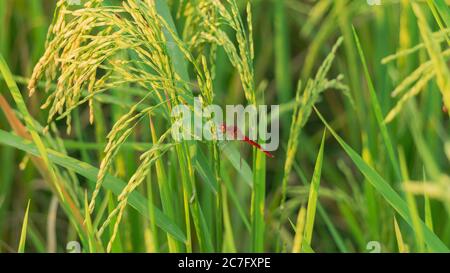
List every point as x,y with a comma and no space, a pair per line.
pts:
88,159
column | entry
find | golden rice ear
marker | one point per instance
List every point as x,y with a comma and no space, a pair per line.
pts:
306,99
82,42
32,90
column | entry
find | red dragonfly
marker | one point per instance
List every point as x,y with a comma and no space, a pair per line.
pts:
235,133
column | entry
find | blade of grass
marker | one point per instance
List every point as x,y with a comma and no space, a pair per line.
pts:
332,229
377,110
402,248
92,240
23,234
383,187
314,194
152,226
444,10
112,183
229,241
299,228
427,209
258,202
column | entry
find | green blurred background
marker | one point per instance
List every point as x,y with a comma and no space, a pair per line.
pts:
292,37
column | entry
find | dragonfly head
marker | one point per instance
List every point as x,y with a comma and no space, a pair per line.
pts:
223,128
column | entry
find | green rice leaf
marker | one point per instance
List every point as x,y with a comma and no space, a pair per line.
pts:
23,234
389,194
136,200
314,194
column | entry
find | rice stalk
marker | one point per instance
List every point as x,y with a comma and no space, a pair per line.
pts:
306,99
